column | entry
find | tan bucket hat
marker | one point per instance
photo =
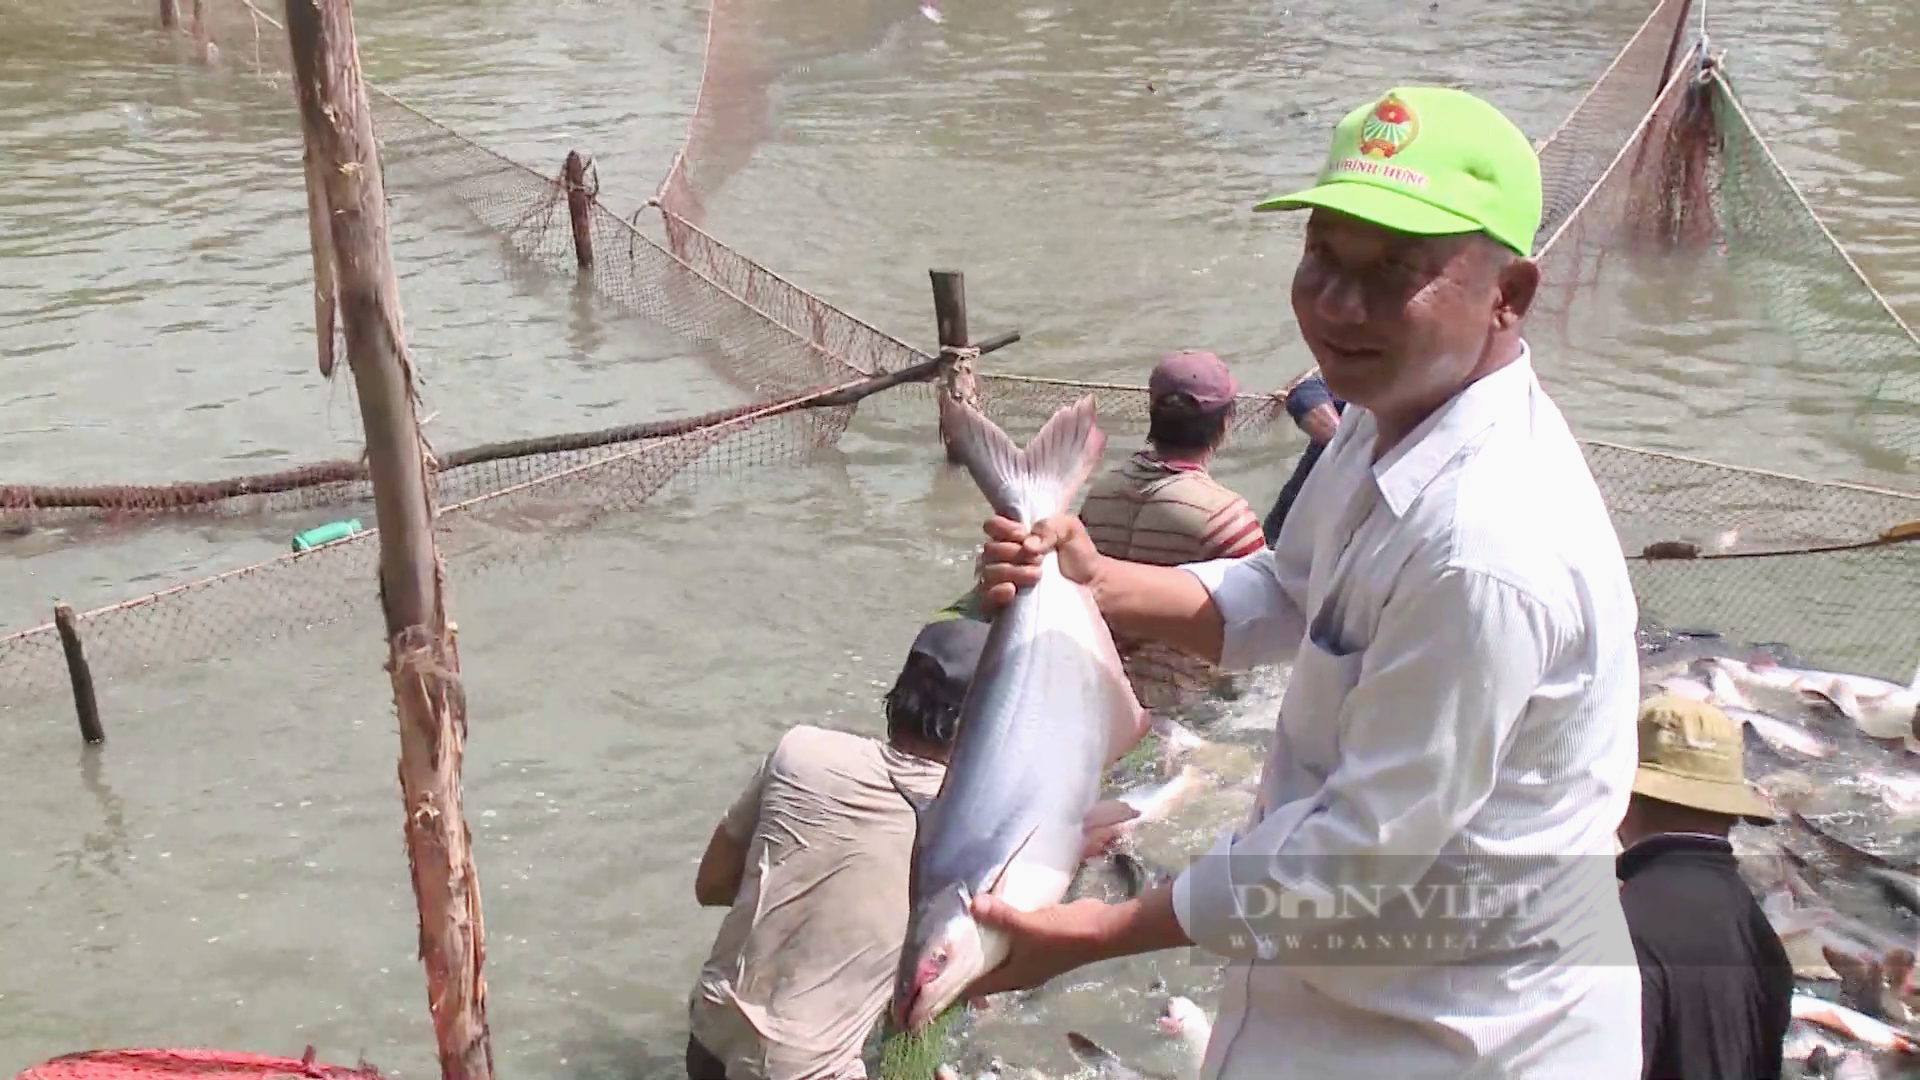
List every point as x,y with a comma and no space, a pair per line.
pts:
1692,754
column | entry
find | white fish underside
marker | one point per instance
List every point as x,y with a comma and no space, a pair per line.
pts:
1028,763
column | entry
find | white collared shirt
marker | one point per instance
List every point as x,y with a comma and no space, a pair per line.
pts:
1425,886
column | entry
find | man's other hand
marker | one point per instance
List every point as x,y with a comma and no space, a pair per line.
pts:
1044,943
1321,423
1010,560
1108,821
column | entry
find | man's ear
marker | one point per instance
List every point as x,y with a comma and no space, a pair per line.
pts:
1519,282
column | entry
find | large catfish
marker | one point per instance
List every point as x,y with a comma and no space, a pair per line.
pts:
1049,710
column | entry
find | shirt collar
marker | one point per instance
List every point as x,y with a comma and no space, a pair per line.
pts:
1409,467
1645,850
1149,458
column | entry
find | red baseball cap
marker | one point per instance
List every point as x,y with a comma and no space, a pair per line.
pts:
1201,376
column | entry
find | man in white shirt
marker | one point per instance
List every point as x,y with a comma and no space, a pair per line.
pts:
1425,886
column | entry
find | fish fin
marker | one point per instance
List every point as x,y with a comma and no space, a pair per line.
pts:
1037,482
1839,695
993,887
1089,1052
1724,692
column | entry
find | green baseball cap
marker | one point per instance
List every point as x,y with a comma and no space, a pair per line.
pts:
1432,162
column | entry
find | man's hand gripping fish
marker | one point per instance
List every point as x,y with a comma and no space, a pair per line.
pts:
1050,709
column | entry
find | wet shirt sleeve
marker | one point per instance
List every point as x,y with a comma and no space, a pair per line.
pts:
744,814
1421,734
1259,598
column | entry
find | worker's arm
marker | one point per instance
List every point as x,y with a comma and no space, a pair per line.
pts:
1434,699
723,866
1237,613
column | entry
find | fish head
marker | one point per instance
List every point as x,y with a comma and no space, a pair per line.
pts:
942,957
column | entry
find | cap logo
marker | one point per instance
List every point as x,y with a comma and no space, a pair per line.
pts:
1380,169
1389,128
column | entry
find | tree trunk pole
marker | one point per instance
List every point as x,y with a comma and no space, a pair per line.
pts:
169,14
950,323
574,175
425,669
80,673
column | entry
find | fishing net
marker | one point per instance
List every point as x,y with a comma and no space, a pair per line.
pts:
1642,173
189,1064
1695,204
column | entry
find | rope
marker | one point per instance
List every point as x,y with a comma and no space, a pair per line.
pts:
1673,550
1127,388
1602,80
1633,141
1779,170
1706,50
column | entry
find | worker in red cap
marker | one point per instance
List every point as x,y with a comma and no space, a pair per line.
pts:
1161,506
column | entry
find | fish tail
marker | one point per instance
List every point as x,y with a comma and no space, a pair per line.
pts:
1037,482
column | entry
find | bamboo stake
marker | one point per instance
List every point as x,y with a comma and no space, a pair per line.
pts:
574,176
950,324
424,666
80,673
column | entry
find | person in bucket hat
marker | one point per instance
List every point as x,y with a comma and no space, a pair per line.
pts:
1716,985
1455,605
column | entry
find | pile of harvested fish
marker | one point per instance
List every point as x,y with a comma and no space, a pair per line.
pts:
1838,756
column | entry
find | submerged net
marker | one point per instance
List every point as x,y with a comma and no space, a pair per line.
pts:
1636,176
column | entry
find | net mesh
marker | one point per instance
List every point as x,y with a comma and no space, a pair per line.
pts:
1641,169
189,1064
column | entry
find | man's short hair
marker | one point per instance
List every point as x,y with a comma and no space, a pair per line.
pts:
925,701
1176,424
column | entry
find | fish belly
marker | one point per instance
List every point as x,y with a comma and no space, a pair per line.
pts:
1051,710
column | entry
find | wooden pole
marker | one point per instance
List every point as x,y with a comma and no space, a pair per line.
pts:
81,673
950,323
425,669
574,175
169,14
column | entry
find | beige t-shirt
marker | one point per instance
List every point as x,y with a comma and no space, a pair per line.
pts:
1152,511
804,962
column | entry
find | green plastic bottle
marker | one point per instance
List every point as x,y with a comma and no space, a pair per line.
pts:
325,534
